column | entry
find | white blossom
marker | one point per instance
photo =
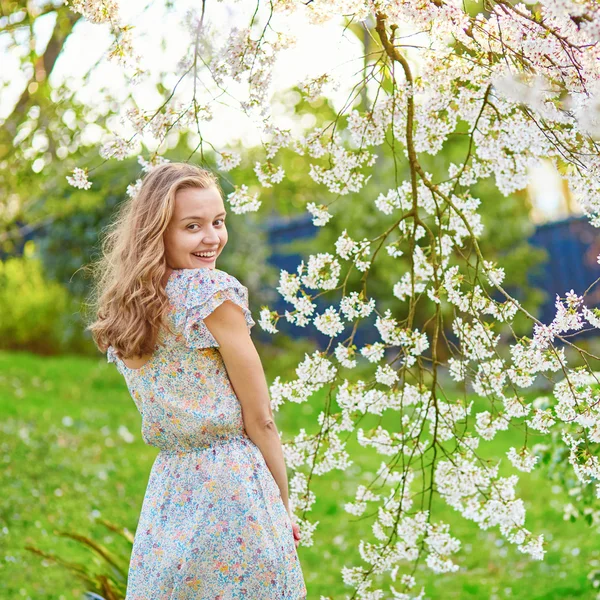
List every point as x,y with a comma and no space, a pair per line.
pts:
133,189
329,323
117,148
268,174
522,460
79,179
321,215
228,160
345,355
242,201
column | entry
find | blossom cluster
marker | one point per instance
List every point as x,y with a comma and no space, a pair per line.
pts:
107,11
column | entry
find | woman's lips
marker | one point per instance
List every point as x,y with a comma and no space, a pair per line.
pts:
205,259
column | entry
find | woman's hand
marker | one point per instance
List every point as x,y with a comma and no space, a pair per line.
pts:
295,529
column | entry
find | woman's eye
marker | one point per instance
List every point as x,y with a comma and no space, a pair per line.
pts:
196,224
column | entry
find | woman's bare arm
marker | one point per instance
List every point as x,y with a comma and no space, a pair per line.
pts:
228,326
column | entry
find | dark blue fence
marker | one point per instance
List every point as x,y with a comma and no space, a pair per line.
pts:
573,246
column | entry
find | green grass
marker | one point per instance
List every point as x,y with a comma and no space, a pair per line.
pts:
66,458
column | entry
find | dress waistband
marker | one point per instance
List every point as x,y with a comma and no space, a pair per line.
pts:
212,445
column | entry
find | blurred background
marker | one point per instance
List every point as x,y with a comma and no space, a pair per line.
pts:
74,467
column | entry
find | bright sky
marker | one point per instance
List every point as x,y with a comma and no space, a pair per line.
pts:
319,49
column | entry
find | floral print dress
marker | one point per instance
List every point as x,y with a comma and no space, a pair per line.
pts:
213,525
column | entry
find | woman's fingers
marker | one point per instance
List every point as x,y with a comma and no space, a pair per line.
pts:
296,531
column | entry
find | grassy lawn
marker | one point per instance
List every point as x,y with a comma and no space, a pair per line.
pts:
71,451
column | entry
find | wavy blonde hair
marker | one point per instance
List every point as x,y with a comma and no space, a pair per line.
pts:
128,301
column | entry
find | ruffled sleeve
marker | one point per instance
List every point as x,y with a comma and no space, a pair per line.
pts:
206,290
110,355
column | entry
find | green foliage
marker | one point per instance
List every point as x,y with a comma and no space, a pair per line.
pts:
71,240
36,312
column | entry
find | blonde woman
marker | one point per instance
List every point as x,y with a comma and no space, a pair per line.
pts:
215,521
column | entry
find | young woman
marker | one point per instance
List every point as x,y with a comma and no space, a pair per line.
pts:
215,521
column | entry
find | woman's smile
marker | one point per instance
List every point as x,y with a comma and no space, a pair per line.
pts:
206,259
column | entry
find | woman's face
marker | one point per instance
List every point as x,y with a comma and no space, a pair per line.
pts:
197,225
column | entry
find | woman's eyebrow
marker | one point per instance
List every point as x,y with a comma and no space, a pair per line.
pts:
221,214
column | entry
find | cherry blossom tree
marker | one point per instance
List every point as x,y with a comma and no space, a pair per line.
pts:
520,82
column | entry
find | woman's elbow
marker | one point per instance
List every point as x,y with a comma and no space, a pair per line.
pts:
260,426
